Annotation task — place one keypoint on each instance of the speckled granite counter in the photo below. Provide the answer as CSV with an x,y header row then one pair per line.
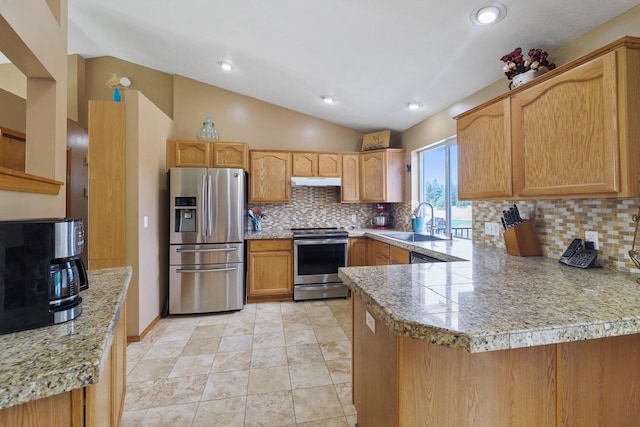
x,y
42,362
495,301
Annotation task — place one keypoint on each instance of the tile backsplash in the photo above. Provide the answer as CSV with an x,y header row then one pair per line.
x,y
558,222
315,207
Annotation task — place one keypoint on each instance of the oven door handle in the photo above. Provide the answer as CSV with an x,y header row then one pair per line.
x,y
207,250
319,242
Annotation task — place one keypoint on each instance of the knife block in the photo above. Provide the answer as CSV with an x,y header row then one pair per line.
x,y
521,240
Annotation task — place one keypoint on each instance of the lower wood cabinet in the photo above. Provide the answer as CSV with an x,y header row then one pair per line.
x,y
385,254
98,405
357,255
270,270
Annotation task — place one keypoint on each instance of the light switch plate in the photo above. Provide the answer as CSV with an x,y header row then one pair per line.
x,y
145,221
371,322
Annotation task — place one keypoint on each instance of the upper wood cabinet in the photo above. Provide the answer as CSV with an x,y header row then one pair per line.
x,y
269,176
350,191
229,155
207,154
316,164
382,176
574,133
484,153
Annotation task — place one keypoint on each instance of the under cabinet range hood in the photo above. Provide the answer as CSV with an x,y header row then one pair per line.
x,y
315,181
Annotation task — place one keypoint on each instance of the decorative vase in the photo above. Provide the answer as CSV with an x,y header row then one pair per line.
x,y
116,95
523,78
208,132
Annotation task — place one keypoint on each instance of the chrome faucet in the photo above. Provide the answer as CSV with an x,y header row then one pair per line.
x,y
416,213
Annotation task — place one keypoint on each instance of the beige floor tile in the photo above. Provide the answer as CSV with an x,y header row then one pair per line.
x,y
352,420
344,392
151,370
292,308
192,365
132,418
340,370
175,391
140,395
296,324
222,412
309,375
299,337
137,350
165,350
235,343
319,311
270,409
267,380
200,347
330,422
171,416
234,361
178,333
305,353
267,357
238,328
324,321
226,384
267,326
268,307
182,320
336,350
316,403
205,332
331,334
270,339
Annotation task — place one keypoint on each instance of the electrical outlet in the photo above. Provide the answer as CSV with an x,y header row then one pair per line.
x,y
492,228
592,236
354,218
371,322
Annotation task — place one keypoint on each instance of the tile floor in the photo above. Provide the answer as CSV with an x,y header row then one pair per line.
x,y
271,364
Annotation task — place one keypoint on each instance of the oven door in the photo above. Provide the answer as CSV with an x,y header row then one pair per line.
x,y
318,260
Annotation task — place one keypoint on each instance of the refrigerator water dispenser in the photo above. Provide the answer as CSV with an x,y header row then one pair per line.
x,y
185,214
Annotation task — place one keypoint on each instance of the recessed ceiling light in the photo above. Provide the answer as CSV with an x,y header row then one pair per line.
x,y
328,99
225,65
488,14
414,105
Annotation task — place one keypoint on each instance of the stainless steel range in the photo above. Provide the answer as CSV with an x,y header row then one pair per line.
x,y
317,255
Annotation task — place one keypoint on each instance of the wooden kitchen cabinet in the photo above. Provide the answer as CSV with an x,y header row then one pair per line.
x,y
381,253
398,255
382,176
573,133
350,191
270,270
484,153
565,133
229,155
207,154
269,176
357,255
316,164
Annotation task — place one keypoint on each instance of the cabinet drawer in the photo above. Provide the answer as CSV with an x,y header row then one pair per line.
x,y
270,245
398,255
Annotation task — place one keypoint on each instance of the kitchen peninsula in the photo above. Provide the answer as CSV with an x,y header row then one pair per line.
x,y
72,373
496,340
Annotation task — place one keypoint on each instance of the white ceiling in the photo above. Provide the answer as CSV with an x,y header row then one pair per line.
x,y
372,56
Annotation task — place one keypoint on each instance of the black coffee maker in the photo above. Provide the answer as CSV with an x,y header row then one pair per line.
x,y
41,272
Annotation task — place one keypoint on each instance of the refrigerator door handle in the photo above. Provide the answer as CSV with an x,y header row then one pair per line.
x,y
204,270
208,250
204,204
209,205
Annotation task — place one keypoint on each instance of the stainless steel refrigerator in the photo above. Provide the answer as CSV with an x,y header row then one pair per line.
x,y
206,240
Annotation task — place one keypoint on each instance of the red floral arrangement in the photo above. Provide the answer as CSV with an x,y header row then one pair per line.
x,y
516,64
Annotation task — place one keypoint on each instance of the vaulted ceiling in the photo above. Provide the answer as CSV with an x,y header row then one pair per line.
x,y
371,56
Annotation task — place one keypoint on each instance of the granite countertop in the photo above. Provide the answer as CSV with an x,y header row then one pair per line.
x,y
494,301
54,359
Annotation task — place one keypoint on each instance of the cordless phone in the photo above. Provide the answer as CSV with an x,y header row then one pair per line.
x,y
577,256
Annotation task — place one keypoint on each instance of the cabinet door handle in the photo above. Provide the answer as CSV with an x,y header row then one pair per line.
x,y
207,250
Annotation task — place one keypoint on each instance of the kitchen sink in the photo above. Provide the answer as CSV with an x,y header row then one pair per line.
x,y
412,237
